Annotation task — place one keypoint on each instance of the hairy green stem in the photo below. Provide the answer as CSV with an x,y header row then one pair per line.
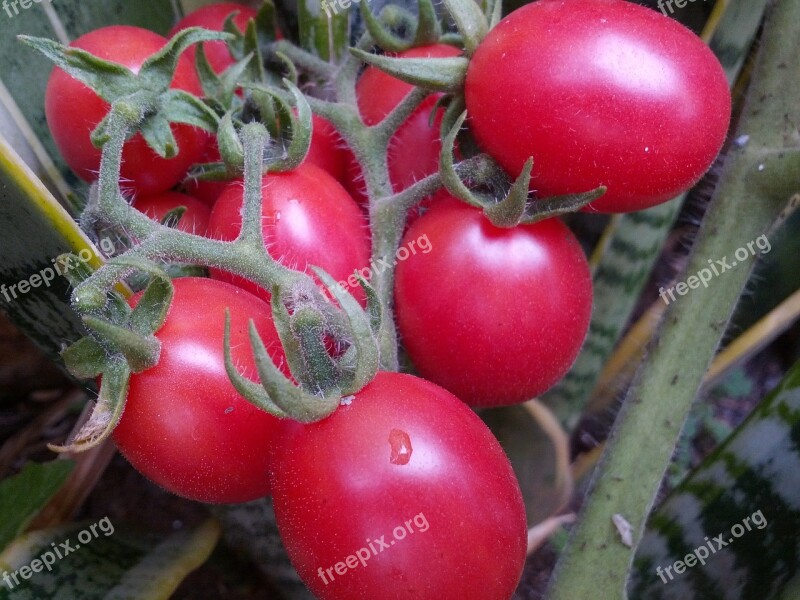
x,y
305,60
745,204
254,137
246,256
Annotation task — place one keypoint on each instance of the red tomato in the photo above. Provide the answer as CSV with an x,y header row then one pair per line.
x,y
185,427
212,16
414,149
496,316
194,220
402,494
308,219
73,111
599,92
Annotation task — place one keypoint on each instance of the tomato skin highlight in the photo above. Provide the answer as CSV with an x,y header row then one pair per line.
x,y
599,92
402,448
74,110
496,316
184,426
194,219
307,219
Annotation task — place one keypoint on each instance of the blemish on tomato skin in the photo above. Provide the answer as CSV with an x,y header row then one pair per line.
x,y
401,448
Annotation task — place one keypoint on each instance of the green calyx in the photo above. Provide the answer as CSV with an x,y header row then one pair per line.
x,y
146,95
514,206
426,26
120,342
328,358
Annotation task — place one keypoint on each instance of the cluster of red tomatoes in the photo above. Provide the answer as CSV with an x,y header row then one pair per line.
x,y
599,92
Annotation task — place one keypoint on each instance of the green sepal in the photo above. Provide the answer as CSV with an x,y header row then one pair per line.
x,y
452,182
178,106
85,359
236,43
255,70
157,72
301,127
108,79
429,30
320,374
209,80
290,71
266,23
509,211
322,33
494,12
555,206
374,306
452,38
229,144
382,34
470,21
116,309
220,90
140,351
442,102
216,171
296,403
158,135
436,74
283,325
107,411
88,299
151,311
456,104
173,217
265,104
362,327
249,390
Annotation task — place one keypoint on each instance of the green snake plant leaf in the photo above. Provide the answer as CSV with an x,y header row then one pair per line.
x,y
748,489
103,561
25,494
